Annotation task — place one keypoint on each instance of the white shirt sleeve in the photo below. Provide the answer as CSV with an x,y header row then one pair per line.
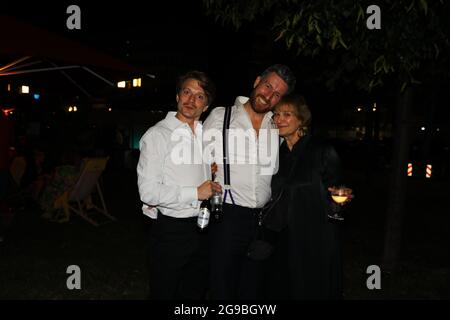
x,y
152,190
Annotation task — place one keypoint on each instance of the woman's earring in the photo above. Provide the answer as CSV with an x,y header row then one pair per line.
x,y
299,132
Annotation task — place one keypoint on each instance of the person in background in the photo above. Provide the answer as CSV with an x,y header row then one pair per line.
x,y
63,178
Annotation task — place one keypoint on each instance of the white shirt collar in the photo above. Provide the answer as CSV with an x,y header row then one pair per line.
x,y
240,101
173,122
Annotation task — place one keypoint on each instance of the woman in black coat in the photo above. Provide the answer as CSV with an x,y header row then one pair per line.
x,y
307,262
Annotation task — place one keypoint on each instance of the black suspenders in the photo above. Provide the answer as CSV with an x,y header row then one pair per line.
x,y
226,163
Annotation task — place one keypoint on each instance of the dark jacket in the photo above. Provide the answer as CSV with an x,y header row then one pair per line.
x,y
309,249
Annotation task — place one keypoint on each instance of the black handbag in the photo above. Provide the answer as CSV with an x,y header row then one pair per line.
x,y
262,247
270,223
260,250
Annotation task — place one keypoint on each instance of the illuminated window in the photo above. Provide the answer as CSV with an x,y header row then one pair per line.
x,y
137,82
121,84
25,89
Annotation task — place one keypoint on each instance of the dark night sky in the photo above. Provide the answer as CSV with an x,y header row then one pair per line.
x,y
141,31
168,38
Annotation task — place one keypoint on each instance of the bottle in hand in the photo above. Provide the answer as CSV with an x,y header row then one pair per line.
x,y
216,206
203,215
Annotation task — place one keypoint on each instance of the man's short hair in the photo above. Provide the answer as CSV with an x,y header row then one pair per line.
x,y
204,81
284,72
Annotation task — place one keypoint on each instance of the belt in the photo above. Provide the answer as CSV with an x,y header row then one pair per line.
x,y
253,210
186,219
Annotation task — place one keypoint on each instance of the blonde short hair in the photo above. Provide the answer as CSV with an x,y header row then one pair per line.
x,y
301,109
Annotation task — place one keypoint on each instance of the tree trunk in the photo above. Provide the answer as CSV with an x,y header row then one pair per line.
x,y
396,204
376,125
430,111
429,132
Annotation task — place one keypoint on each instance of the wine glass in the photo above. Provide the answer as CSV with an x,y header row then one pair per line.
x,y
340,196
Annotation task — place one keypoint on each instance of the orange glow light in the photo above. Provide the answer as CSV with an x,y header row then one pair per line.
x,y
7,112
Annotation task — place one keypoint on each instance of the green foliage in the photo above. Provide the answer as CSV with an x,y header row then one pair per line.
x,y
237,12
413,33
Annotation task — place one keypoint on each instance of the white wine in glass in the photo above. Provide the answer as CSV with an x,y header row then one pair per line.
x,y
340,196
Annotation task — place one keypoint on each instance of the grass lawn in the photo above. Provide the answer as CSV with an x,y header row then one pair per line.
x,y
36,253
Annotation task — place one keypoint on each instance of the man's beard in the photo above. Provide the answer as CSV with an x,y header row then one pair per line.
x,y
253,104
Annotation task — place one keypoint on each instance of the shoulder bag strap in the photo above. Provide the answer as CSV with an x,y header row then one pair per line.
x,y
226,163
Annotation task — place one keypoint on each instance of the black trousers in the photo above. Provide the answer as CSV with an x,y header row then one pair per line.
x,y
232,274
177,259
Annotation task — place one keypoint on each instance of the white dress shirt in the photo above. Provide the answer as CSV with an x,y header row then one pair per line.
x,y
250,173
170,168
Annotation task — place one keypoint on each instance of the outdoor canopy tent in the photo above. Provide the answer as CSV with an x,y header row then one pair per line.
x,y
30,47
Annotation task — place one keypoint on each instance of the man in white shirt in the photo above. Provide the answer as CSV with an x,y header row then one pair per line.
x,y
233,274
172,181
